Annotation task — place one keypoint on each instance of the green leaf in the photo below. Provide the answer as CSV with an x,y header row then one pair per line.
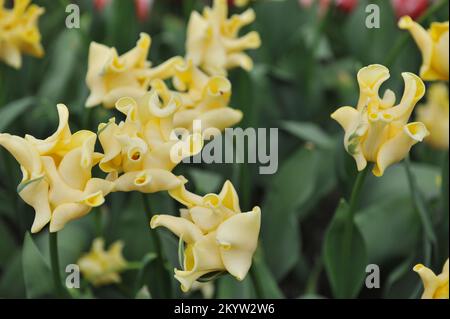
x,y
36,271
382,222
267,282
11,281
291,187
309,132
345,255
229,288
12,110
7,244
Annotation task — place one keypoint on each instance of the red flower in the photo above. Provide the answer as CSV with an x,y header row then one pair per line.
x,y
346,6
412,8
143,8
100,4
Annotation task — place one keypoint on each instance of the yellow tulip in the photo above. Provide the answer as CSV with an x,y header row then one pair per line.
x,y
433,43
57,180
19,32
111,76
212,39
218,236
435,115
376,130
205,98
435,287
103,267
140,147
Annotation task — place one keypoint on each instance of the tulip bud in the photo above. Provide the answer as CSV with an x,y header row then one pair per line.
x,y
412,8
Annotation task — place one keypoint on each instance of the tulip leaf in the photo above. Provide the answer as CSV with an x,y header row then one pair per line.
x,y
309,132
36,270
266,282
12,110
344,254
8,244
11,281
291,187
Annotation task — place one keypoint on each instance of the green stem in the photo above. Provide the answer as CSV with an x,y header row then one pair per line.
x,y
159,251
54,258
354,197
256,285
419,204
403,40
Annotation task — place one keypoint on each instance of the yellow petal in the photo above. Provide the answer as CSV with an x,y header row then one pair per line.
x,y
65,213
238,239
181,227
62,134
147,181
229,197
183,196
35,194
24,153
395,149
429,280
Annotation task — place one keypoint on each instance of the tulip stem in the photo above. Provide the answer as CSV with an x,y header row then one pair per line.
x,y
54,259
354,197
165,282
418,202
256,285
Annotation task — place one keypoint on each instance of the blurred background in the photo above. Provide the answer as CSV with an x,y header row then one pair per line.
x,y
305,69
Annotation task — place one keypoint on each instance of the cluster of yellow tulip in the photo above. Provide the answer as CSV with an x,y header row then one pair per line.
x,y
137,151
19,32
57,180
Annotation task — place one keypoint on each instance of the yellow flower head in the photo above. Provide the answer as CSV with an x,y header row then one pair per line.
x,y
205,98
140,147
435,115
19,32
103,267
435,287
376,130
111,76
218,236
433,43
212,39
57,180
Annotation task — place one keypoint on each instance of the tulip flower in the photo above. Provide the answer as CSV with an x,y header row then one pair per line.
x,y
57,180
103,267
111,76
435,287
376,130
435,115
19,32
138,150
205,99
218,236
212,39
433,44
412,8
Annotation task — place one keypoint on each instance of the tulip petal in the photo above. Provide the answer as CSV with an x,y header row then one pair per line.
x,y
65,213
24,153
35,194
238,239
395,149
181,227
147,181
